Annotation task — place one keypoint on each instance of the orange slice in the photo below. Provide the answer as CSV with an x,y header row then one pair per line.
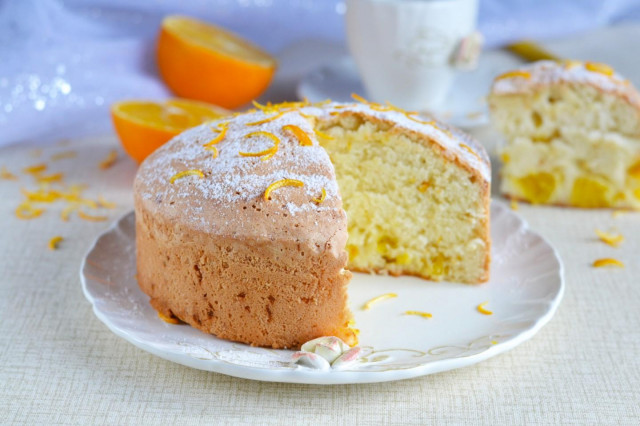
x,y
144,126
200,61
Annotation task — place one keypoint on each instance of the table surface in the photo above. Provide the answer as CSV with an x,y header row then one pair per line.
x,y
60,364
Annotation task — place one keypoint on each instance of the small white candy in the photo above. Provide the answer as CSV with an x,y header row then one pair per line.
x,y
347,359
330,341
310,360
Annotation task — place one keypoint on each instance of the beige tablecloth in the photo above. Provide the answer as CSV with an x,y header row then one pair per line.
x,y
60,364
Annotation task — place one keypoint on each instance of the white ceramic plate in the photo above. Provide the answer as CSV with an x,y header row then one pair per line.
x,y
524,292
465,105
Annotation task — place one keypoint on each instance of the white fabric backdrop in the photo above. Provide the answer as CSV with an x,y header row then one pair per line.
x,y
64,62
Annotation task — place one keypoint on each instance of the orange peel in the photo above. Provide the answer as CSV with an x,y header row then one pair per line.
x,y
300,134
266,120
64,154
378,299
600,68
484,311
279,184
185,173
35,169
607,261
419,313
54,242
514,74
267,153
322,197
170,320
6,174
27,211
109,160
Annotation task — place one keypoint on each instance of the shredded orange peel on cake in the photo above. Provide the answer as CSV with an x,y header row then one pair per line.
x,y
322,197
302,136
279,184
267,153
186,173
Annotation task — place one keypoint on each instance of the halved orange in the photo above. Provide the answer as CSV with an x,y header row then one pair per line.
x,y
200,61
144,126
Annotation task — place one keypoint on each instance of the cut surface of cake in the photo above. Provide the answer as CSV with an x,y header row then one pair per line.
x,y
572,133
246,227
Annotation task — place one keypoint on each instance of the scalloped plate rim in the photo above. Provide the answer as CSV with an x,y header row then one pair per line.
x,y
309,376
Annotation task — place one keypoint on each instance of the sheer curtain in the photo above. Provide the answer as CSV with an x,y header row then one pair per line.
x,y
63,62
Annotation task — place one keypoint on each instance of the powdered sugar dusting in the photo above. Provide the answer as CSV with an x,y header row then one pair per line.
x,y
551,72
231,178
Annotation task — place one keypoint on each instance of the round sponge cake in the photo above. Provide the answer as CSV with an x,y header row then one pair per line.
x,y
242,232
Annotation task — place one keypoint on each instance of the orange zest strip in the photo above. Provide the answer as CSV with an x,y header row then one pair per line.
x,y
105,204
27,211
302,136
611,239
514,74
279,184
322,197
214,150
53,242
35,169
170,320
359,98
484,311
599,67
514,204
109,160
66,212
377,299
223,131
266,120
41,196
267,153
56,177
7,175
186,173
607,261
470,151
307,116
90,218
323,135
63,155
419,313
410,115
570,63
381,108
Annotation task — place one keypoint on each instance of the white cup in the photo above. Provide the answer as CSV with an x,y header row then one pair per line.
x,y
404,48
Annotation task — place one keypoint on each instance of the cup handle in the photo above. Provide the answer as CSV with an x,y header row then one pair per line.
x,y
466,54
